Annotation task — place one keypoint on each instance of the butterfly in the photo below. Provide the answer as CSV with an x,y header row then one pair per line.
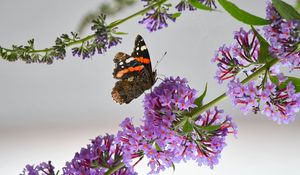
x,y
134,73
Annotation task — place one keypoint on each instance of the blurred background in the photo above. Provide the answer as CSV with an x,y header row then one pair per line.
x,y
48,112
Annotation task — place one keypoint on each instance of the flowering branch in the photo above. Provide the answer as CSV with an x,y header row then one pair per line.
x,y
100,40
104,36
222,97
176,125
107,9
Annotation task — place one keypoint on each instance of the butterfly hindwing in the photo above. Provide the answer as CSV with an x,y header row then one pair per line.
x,y
120,57
127,90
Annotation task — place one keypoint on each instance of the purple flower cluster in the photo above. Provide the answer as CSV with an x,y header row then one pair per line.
x,y
97,158
159,15
41,169
157,18
163,141
163,138
206,146
241,55
284,38
278,104
104,39
209,3
184,4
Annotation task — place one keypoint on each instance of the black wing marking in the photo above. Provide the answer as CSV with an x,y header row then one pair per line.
x,y
122,62
140,50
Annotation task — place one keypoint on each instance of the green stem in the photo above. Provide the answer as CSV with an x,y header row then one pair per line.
x,y
110,26
114,169
222,97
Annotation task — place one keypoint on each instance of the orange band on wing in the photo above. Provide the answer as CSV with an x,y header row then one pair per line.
x,y
129,69
143,60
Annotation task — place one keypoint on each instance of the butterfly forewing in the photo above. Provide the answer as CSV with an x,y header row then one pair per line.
x,y
140,52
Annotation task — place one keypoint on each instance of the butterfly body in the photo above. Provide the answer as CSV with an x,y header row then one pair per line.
x,y
134,73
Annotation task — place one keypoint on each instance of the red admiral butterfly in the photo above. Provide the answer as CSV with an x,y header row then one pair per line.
x,y
134,73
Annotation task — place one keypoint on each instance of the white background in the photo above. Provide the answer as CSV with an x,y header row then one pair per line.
x,y
48,112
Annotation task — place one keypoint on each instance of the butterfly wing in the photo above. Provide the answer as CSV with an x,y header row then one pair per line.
x,y
141,54
127,90
134,73
120,57
126,66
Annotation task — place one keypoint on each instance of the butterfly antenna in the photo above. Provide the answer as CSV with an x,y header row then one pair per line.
x,y
157,63
160,79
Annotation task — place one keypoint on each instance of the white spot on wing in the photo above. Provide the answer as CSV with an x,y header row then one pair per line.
x,y
121,63
129,60
130,78
138,48
143,48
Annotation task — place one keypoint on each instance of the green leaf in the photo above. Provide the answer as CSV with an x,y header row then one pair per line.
x,y
168,5
12,57
297,49
176,15
294,80
242,15
199,5
157,147
297,6
31,43
209,128
120,33
173,166
285,10
187,127
114,23
274,79
199,100
264,55
95,163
